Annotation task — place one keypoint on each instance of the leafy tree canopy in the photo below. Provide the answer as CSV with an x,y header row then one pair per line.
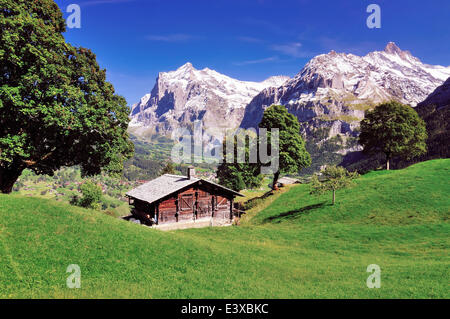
x,y
56,107
293,155
239,175
91,196
333,178
395,130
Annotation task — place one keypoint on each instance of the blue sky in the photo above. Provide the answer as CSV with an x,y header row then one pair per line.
x,y
247,39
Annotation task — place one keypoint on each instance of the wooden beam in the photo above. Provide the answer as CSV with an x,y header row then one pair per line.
x,y
177,209
157,213
231,208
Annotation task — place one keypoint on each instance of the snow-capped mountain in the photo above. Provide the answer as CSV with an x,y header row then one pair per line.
x,y
187,94
334,89
331,92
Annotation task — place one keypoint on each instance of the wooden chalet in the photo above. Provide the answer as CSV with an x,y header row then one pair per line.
x,y
173,198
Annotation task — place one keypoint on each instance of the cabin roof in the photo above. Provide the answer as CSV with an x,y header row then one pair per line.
x,y
166,185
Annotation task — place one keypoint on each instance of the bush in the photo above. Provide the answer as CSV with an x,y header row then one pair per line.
x,y
91,196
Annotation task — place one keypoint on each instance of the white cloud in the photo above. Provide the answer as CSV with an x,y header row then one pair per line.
x,y
265,60
291,49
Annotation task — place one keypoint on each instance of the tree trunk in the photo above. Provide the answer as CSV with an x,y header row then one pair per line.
x,y
388,159
8,178
334,196
387,164
276,176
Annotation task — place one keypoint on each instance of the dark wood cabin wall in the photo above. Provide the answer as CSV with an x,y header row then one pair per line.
x,y
167,211
187,199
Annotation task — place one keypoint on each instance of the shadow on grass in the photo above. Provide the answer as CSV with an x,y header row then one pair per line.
x,y
254,201
294,213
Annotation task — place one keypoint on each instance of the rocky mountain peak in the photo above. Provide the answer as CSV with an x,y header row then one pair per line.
x,y
333,90
332,53
186,66
392,48
182,96
183,72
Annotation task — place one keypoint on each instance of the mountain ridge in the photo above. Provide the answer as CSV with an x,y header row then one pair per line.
x,y
182,96
329,94
335,84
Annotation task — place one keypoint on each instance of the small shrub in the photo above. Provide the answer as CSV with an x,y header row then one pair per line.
x,y
91,196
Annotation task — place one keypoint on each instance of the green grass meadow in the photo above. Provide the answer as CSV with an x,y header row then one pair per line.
x,y
292,245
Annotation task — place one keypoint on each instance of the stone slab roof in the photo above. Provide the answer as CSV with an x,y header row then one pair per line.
x,y
166,185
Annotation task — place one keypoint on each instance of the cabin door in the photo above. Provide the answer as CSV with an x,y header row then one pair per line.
x,y
204,207
186,207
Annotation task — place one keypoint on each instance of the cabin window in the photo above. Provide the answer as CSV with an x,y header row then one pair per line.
x,y
187,202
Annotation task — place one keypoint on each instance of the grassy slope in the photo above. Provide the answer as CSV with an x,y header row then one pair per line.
x,y
298,246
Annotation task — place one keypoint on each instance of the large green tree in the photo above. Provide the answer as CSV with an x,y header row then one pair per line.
x,y
293,155
56,107
239,174
395,130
